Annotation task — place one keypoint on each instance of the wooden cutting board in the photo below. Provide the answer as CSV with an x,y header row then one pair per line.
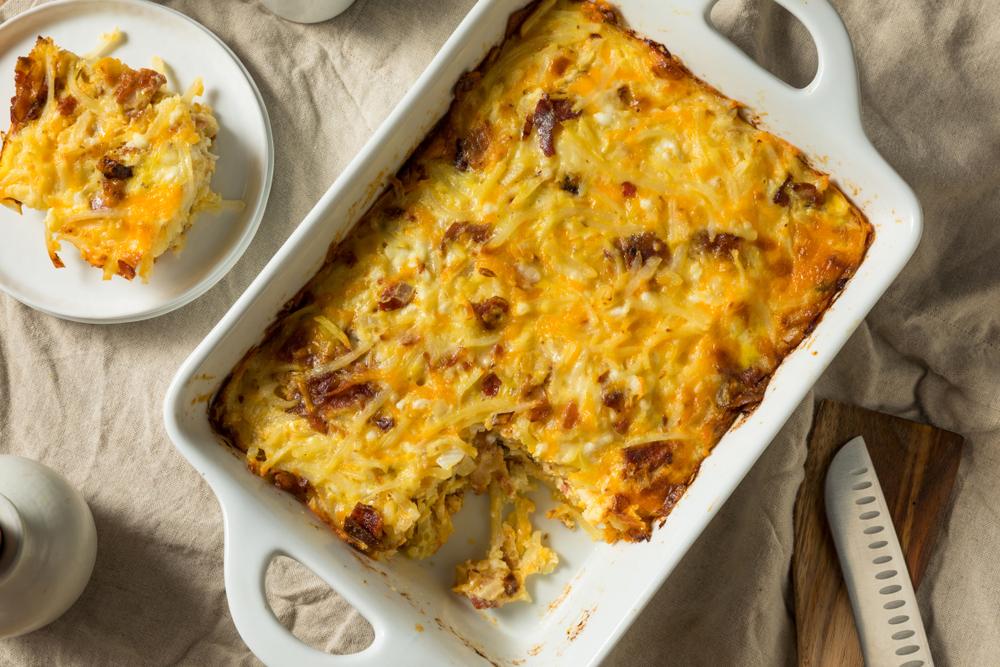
x,y
916,465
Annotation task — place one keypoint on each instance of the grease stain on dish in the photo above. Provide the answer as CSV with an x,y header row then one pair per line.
x,y
574,630
202,398
468,644
561,598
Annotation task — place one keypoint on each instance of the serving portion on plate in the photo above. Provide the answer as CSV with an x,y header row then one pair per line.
x,y
588,270
120,164
122,156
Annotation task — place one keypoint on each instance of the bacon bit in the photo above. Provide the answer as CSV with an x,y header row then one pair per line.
x,y
626,97
364,525
529,124
393,212
30,92
492,312
510,584
396,296
563,109
781,196
571,184
331,390
344,255
480,603
809,193
559,65
491,385
136,88
67,105
453,232
126,270
456,356
112,192
638,534
638,248
602,378
628,190
646,459
478,233
113,169
724,243
571,416
540,412
461,161
745,389
670,498
467,81
545,121
549,113
384,422
470,152
291,483
487,272
614,399
665,66
295,341
720,245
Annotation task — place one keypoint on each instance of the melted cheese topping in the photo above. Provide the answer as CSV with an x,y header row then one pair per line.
x,y
594,260
119,164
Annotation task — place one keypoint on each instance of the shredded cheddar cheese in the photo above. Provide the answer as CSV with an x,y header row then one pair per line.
x,y
584,275
119,164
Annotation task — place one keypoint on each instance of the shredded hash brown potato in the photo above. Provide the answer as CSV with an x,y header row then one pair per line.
x,y
120,164
584,274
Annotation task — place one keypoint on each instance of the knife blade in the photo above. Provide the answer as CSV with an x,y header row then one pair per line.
x,y
878,583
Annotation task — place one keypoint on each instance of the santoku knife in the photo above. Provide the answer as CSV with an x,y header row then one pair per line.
x,y
885,608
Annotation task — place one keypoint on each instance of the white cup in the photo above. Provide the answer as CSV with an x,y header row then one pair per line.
x,y
307,11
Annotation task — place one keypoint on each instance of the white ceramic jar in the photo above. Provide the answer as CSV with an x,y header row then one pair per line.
x,y
48,544
307,11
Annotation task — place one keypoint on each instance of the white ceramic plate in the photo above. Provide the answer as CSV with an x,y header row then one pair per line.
x,y
584,606
243,172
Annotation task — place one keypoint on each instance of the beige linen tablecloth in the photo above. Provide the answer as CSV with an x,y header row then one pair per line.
x,y
86,400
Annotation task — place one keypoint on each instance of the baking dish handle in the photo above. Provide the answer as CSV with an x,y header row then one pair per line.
x,y
248,553
833,93
834,89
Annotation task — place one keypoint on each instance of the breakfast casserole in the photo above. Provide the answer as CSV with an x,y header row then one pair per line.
x,y
119,163
585,273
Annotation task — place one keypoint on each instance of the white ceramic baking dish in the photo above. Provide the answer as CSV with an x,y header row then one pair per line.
x,y
583,608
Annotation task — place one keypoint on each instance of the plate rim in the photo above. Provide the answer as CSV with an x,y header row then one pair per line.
x,y
237,251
